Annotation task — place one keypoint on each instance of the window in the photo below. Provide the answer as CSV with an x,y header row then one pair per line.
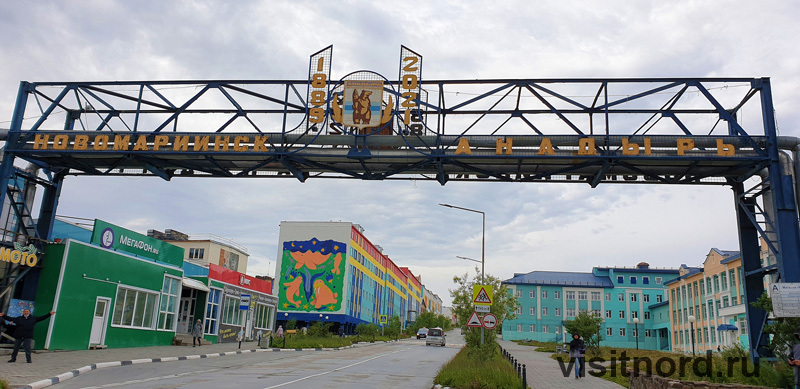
x,y
608,314
544,294
621,332
230,311
733,300
196,253
621,314
533,311
262,318
134,308
633,280
544,312
212,311
635,332
519,327
519,310
519,294
609,331
634,297
570,295
558,311
532,294
724,280
620,279
646,298
582,295
168,310
659,298
647,315
545,328
621,297
533,328
558,330
647,333
634,314
596,313
595,296
608,296
557,295
646,280
725,301
658,280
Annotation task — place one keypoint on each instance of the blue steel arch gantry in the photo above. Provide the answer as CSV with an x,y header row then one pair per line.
x,y
692,131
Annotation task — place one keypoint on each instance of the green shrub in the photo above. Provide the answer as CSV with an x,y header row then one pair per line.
x,y
478,368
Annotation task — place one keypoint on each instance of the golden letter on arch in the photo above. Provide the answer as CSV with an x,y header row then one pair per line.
x,y
463,147
500,145
629,148
586,147
684,144
546,147
724,149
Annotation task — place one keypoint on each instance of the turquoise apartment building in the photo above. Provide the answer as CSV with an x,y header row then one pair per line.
x,y
631,302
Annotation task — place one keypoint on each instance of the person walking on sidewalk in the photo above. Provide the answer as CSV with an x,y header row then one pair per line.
x,y
576,350
794,359
197,333
24,332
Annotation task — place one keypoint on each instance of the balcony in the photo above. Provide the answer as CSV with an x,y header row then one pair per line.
x,y
731,310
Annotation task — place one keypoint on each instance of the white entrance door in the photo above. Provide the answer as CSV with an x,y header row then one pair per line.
x,y
185,315
99,321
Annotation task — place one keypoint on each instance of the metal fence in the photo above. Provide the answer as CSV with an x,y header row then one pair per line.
x,y
518,367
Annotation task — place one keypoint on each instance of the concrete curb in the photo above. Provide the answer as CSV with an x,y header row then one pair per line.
x,y
95,366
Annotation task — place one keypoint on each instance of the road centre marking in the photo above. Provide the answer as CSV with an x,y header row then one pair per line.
x,y
149,379
337,369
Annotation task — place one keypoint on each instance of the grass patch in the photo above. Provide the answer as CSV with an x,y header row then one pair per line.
x,y
543,347
472,368
3,384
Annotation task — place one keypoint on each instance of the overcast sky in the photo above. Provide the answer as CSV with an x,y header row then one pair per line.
x,y
528,226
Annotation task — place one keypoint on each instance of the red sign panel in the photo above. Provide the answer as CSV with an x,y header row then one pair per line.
x,y
219,273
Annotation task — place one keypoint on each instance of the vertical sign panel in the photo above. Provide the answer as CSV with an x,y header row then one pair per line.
x,y
410,92
319,72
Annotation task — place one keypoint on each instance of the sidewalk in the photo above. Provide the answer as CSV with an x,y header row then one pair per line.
x,y
48,364
545,373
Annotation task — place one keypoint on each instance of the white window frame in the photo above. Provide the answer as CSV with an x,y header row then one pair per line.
x,y
558,311
622,332
212,312
532,294
608,296
634,297
154,313
161,324
544,311
609,331
519,327
645,297
225,315
647,315
595,296
621,314
647,334
533,328
608,314
658,280
570,295
263,316
634,314
533,311
583,295
545,328
659,298
556,294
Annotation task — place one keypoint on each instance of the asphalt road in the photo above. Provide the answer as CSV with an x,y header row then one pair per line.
x,y
405,364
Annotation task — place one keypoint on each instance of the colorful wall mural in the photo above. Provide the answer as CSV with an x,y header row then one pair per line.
x,y
312,275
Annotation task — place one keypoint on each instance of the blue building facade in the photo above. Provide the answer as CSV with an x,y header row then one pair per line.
x,y
629,300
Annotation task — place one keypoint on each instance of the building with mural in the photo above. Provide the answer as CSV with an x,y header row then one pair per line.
x,y
710,300
330,271
628,299
205,249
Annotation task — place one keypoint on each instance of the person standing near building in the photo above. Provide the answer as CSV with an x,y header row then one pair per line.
x,y
576,350
794,358
197,333
24,331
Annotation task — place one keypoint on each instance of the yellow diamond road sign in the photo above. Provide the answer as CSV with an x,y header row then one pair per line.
x,y
482,294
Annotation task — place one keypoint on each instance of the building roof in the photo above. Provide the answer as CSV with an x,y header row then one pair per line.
x,y
656,305
560,278
692,271
730,256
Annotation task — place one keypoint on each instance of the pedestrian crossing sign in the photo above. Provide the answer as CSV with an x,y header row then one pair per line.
x,y
482,294
384,319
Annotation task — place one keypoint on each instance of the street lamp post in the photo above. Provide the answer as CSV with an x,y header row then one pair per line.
x,y
483,244
636,331
691,326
